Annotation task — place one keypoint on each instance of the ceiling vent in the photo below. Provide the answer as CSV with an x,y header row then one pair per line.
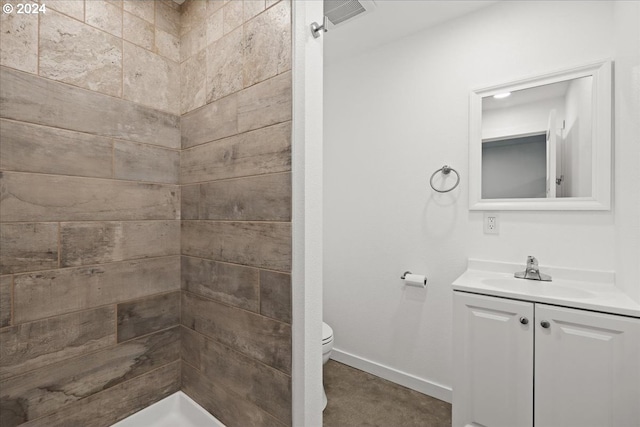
x,y
340,11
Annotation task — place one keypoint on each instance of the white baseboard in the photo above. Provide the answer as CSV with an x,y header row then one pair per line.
x,y
427,387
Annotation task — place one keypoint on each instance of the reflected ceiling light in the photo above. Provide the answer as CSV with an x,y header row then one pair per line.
x,y
501,95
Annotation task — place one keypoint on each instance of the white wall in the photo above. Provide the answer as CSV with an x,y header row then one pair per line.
x,y
398,113
576,139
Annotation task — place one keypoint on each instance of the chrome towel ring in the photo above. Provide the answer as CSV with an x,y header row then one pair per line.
x,y
445,170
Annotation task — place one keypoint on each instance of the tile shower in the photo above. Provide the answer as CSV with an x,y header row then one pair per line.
x,y
145,210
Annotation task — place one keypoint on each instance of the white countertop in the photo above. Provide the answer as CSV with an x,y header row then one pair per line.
x,y
589,290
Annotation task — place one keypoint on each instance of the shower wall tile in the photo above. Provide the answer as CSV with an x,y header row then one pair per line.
x,y
229,408
167,18
41,149
192,344
19,41
225,64
258,198
190,200
54,292
193,87
144,9
193,42
118,402
258,337
215,5
275,295
265,103
253,8
213,121
167,45
73,8
193,13
231,284
104,15
150,79
263,151
75,53
137,31
139,162
267,42
83,243
32,99
258,244
23,398
265,387
233,15
6,291
33,345
31,197
147,315
272,2
28,247
215,29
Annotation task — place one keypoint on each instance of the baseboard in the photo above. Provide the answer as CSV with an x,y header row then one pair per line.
x,y
429,388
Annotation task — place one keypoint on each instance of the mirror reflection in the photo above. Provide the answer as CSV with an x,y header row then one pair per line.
x,y
537,142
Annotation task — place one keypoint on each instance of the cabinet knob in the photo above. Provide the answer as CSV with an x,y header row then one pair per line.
x,y
524,320
545,324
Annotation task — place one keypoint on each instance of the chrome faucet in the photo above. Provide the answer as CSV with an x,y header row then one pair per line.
x,y
532,272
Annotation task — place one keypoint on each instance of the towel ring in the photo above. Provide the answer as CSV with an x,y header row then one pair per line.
x,y
445,170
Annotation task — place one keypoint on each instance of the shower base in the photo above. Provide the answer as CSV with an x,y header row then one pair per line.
x,y
172,411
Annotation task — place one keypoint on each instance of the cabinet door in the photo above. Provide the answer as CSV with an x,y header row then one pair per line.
x,y
492,361
587,369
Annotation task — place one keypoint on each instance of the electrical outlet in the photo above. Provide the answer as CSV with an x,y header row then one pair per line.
x,y
491,223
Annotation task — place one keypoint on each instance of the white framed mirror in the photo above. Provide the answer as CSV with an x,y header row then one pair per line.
x,y
542,143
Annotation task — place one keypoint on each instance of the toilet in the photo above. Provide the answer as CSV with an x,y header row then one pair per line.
x,y
327,346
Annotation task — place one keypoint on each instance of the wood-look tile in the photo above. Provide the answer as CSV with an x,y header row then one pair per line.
x,y
28,247
31,197
267,43
266,150
151,79
139,162
265,103
232,284
256,336
55,292
213,121
225,405
76,53
265,387
6,290
191,345
193,82
258,198
258,244
83,243
147,315
36,100
275,295
33,148
19,41
33,345
190,201
49,389
118,402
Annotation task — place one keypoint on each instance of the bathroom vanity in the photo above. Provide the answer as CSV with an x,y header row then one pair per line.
x,y
545,354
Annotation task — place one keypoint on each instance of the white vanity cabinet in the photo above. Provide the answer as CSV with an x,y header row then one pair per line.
x,y
519,363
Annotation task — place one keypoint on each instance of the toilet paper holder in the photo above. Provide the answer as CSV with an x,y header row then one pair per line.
x,y
404,276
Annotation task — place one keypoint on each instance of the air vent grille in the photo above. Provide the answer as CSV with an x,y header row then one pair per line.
x,y
341,10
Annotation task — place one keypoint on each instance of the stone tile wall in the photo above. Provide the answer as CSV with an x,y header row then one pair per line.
x,y
236,209
89,211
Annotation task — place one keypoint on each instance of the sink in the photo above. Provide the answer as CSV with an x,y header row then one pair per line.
x,y
557,290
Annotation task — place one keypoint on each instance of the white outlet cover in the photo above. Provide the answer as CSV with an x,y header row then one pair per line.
x,y
491,223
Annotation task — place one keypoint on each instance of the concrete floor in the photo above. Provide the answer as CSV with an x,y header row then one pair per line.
x,y
358,399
